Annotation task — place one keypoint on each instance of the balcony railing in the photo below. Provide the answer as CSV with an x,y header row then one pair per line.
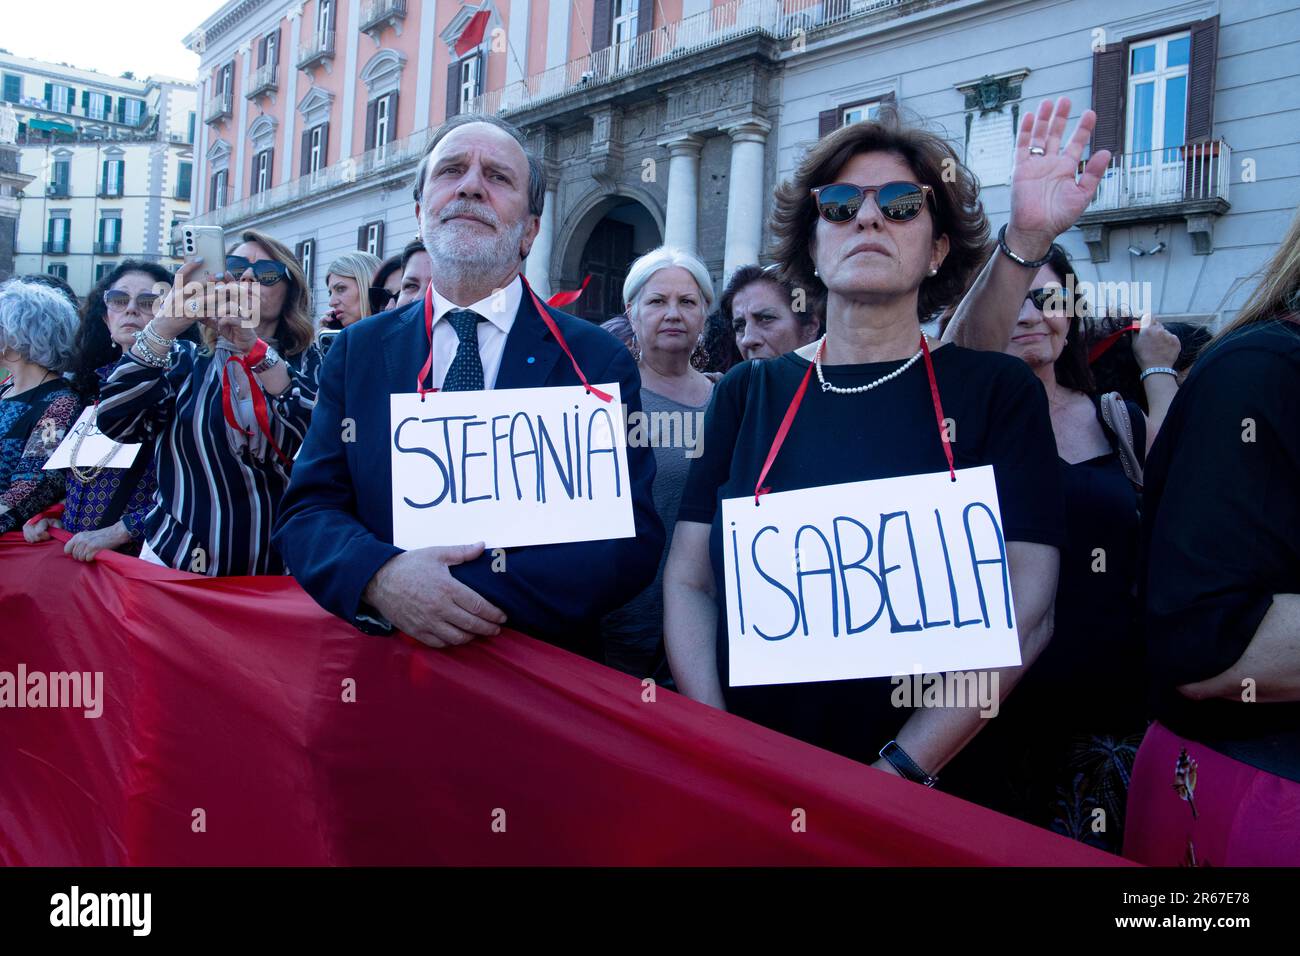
x,y
56,247
109,248
780,19
263,81
110,190
218,107
1192,173
316,49
58,190
376,13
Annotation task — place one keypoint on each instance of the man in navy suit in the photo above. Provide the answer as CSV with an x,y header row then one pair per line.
x,y
479,201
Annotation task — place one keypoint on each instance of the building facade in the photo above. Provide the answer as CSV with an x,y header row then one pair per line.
x,y
111,163
673,121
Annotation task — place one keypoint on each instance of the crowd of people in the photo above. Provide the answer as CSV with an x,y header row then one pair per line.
x,y
1150,503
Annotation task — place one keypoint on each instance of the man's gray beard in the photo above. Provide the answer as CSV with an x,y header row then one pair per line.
x,y
459,259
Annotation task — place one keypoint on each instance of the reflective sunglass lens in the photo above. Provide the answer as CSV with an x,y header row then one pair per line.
x,y
839,203
900,201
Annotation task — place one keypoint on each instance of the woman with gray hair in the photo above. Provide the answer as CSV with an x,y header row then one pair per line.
x,y
37,407
668,295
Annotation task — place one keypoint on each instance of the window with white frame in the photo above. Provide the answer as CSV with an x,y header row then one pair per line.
x,y
114,171
134,112
316,150
110,235
1157,97
262,171
374,238
306,255
625,24
219,180
383,122
469,68
323,21
858,112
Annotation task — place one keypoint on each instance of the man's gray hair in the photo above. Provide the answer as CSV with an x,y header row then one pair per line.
x,y
536,171
38,323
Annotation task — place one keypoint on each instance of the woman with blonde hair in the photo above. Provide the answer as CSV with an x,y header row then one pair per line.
x,y
1216,781
668,294
224,419
348,284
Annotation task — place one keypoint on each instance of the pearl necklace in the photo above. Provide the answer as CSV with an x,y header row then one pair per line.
x,y
828,387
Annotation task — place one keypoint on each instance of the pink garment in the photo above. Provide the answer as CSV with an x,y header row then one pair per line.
x,y
1189,805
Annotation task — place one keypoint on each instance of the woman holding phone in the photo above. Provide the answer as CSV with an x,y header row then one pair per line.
x,y
224,418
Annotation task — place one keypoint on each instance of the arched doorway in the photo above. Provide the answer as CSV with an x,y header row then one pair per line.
x,y
617,230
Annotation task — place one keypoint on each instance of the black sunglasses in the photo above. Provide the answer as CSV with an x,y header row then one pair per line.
x,y
899,202
379,299
117,301
265,271
1055,297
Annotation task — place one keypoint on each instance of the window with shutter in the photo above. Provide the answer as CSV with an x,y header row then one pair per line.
x,y
453,90
13,88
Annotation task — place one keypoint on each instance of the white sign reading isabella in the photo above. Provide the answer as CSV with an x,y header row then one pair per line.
x,y
509,467
868,579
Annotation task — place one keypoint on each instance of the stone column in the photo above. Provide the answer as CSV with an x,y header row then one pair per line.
x,y
537,267
745,195
683,191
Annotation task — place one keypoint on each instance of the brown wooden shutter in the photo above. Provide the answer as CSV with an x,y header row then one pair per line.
x,y
279,38
372,111
270,167
361,238
1200,80
645,16
827,122
453,89
324,144
379,239
212,194
305,166
1109,76
602,24
252,182
392,116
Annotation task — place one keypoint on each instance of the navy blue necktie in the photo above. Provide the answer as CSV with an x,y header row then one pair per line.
x,y
466,371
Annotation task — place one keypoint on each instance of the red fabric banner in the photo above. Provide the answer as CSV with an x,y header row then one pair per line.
x,y
227,736
472,35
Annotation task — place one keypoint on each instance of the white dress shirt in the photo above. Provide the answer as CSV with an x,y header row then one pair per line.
x,y
498,309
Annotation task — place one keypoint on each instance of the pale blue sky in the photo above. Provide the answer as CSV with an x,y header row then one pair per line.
x,y
110,36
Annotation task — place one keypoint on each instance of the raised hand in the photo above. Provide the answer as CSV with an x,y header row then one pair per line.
x,y
1046,198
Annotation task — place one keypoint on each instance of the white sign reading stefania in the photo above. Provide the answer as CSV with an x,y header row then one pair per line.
x,y
868,579
509,467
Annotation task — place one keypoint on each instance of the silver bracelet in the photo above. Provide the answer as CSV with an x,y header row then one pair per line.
x,y
156,338
1161,369
145,354
269,361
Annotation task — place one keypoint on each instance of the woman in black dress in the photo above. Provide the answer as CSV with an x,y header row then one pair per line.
x,y
890,235
1060,751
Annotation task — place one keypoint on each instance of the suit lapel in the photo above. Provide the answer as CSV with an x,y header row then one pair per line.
x,y
406,347
531,351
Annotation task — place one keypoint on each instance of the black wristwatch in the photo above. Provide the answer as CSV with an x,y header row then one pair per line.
x,y
908,768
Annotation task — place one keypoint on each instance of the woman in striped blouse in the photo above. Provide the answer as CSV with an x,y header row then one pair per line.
x,y
225,418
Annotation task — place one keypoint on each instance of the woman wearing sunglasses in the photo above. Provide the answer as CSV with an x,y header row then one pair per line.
x,y
1059,750
882,220
348,285
226,418
105,508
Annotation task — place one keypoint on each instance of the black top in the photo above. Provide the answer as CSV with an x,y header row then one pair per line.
x,y
1089,677
1000,415
1221,536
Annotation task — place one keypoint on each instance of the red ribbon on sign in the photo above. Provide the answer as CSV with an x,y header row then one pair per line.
x,y
260,412
797,400
546,317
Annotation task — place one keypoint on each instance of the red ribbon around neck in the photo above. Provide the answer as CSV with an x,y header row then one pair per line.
x,y
546,317
260,412
797,400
